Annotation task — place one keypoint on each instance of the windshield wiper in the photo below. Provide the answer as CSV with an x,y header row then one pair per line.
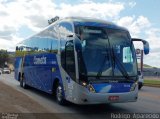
x,y
120,65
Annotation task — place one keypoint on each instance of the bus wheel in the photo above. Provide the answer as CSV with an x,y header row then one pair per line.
x,y
139,87
23,83
59,95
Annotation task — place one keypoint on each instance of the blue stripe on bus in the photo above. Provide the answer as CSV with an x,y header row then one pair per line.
x,y
112,87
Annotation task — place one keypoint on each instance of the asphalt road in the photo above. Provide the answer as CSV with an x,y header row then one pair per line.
x,y
148,102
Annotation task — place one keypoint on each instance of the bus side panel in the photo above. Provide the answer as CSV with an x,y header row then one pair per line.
x,y
41,70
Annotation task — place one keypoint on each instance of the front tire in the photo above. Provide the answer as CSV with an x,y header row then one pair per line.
x,y
23,82
59,95
139,87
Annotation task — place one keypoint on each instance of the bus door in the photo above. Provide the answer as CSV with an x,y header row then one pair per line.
x,y
70,59
70,67
67,55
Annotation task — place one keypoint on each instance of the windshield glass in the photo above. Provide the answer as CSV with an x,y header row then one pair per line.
x,y
123,51
106,51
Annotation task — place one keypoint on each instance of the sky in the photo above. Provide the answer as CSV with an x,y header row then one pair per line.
x,y
20,19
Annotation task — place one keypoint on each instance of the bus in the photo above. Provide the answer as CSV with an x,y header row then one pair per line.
x,y
80,60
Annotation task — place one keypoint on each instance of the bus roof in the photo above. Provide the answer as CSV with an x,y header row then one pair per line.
x,y
84,21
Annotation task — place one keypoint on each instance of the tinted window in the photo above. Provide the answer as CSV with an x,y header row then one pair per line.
x,y
70,60
45,41
64,29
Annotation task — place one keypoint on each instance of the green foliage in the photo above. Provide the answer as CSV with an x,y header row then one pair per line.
x,y
4,57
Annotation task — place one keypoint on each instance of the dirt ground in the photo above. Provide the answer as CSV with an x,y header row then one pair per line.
x,y
12,101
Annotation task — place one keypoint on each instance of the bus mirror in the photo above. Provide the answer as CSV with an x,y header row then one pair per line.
x,y
145,45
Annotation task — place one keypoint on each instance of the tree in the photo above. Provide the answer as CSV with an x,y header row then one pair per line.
x,y
4,57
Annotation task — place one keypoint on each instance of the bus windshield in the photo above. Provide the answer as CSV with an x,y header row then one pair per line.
x,y
106,52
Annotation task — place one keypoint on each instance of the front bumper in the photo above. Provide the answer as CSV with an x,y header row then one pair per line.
x,y
85,97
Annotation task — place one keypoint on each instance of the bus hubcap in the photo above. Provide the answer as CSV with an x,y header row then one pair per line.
x,y
59,93
23,83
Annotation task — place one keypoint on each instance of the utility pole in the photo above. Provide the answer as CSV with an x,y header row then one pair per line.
x,y
141,64
139,54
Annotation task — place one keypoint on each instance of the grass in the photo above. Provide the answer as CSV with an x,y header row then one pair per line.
x,y
152,81
155,83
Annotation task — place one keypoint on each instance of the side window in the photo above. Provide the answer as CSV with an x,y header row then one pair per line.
x,y
53,40
67,49
45,41
64,29
70,60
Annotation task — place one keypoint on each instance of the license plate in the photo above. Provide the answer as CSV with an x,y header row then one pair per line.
x,y
113,98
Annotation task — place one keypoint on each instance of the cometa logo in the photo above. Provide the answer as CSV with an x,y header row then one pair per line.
x,y
41,60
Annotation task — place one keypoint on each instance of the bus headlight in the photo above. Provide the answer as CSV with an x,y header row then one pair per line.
x,y
134,85
83,83
88,86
